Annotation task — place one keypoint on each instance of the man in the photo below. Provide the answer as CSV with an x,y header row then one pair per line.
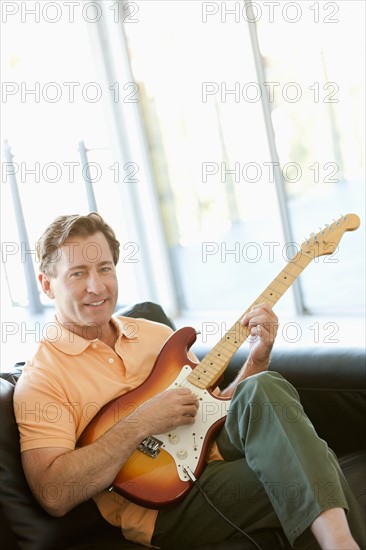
x,y
89,357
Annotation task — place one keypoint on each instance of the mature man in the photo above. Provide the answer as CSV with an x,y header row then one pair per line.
x,y
89,357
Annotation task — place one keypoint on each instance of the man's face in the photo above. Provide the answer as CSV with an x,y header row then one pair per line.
x,y
85,286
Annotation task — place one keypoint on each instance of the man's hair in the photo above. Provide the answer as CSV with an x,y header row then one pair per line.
x,y
62,228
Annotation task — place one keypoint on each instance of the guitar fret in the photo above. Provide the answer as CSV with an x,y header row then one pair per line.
x,y
272,295
197,376
283,282
218,351
212,360
297,266
199,380
239,332
206,369
214,368
231,347
211,370
222,351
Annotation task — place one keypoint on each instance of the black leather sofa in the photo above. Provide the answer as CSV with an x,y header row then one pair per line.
x,y
332,387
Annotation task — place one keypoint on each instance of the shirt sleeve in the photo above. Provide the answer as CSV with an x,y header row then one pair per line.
x,y
44,416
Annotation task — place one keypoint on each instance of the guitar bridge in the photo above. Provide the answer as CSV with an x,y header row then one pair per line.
x,y
150,446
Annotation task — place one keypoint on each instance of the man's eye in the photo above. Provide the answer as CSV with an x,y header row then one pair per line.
x,y
77,274
105,269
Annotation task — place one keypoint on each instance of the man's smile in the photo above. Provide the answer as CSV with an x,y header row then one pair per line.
x,y
96,304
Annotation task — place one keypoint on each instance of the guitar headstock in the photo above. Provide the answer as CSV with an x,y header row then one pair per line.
x,y
326,240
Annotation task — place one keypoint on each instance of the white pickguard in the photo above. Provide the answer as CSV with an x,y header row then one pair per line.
x,y
185,443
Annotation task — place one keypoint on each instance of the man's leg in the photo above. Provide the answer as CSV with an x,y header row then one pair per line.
x,y
300,474
331,529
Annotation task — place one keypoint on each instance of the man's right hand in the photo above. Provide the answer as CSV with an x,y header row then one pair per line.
x,y
167,410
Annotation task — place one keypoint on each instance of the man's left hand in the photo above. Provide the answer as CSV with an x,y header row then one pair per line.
x,y
263,325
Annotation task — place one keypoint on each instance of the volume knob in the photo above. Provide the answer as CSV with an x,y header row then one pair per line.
x,y
182,454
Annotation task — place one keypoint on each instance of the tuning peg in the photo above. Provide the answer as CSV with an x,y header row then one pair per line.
x,y
313,236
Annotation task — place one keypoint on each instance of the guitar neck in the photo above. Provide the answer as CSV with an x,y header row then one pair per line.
x,y
211,368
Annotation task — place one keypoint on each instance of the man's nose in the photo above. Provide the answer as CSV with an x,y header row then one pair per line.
x,y
95,283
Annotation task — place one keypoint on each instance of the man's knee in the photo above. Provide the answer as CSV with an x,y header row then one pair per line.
x,y
262,381
267,385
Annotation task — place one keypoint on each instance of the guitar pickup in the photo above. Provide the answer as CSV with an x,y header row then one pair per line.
x,y
150,446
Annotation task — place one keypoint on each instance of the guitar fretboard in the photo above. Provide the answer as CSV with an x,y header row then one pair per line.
x,y
211,368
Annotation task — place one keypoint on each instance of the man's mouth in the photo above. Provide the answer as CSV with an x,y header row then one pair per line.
x,y
95,304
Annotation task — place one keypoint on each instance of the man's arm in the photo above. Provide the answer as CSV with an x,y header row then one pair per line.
x,y
263,324
60,479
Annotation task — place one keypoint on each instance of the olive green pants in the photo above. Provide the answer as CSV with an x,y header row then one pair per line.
x,y
277,473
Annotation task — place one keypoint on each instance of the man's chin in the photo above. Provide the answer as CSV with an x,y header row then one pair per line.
x,y
99,316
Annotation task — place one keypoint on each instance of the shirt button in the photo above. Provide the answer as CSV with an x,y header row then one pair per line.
x,y
111,360
94,346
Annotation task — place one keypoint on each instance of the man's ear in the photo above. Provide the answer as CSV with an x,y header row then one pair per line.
x,y
46,285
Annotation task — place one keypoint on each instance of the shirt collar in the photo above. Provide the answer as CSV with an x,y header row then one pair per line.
x,y
68,342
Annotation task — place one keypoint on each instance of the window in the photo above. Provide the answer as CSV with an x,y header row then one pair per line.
x,y
318,112
216,133
53,99
215,176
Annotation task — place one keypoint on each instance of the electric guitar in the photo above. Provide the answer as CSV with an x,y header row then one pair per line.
x,y
160,472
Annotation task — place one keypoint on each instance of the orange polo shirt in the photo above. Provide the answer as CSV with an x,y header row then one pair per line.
x,y
69,380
